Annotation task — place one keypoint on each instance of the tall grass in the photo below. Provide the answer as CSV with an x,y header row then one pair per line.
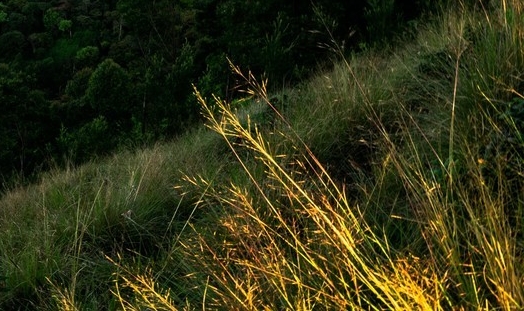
x,y
393,181
55,236
293,239
311,247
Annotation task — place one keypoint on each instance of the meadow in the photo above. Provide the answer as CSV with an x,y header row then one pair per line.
x,y
392,180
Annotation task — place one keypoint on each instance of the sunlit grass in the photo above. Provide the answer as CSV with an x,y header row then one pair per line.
x,y
310,247
393,181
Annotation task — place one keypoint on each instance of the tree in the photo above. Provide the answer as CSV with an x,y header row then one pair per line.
x,y
12,43
24,121
109,93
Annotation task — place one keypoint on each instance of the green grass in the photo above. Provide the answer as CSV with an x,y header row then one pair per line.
x,y
392,181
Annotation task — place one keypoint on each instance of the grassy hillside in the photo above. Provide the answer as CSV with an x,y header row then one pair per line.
x,y
392,181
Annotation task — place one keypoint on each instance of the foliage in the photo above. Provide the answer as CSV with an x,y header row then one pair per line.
x,y
108,92
380,18
3,16
87,56
163,47
52,19
12,44
77,86
88,141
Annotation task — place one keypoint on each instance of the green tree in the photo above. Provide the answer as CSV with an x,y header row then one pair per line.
x,y
52,19
109,93
65,25
12,43
168,106
89,141
87,56
24,122
3,14
73,109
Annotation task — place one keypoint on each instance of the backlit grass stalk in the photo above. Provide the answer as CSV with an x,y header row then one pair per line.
x,y
146,292
336,259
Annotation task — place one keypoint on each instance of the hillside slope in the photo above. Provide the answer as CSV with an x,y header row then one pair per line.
x,y
392,181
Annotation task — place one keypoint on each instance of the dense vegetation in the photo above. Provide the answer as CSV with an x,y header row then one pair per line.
x,y
390,180
79,78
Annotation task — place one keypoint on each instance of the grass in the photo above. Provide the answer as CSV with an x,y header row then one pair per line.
x,y
393,181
